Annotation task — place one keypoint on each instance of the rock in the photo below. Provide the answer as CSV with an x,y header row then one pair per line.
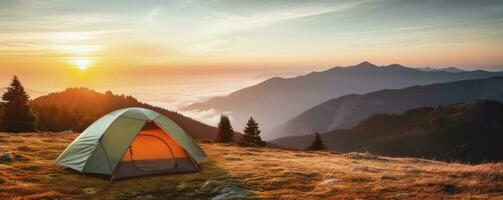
x,y
7,157
232,192
328,182
89,191
210,183
227,190
213,186
405,195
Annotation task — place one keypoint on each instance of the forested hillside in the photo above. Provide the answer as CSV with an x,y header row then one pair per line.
x,y
469,132
76,108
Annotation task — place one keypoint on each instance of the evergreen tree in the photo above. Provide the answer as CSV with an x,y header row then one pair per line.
x,y
225,131
317,144
16,112
251,136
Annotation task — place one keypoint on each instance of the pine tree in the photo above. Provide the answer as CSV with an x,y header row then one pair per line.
x,y
317,144
251,136
225,131
17,116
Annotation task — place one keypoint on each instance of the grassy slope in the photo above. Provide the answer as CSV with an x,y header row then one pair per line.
x,y
255,173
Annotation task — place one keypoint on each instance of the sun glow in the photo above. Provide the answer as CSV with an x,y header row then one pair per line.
x,y
82,63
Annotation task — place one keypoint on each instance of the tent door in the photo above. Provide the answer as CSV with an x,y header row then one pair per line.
x,y
153,151
150,153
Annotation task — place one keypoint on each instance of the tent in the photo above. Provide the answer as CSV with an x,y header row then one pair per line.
x,y
132,142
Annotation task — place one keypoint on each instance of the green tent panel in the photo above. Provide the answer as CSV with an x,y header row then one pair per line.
x,y
132,142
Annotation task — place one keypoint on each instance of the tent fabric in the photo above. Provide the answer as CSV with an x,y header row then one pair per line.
x,y
154,141
103,145
153,152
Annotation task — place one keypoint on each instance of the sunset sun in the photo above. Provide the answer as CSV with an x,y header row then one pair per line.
x,y
82,63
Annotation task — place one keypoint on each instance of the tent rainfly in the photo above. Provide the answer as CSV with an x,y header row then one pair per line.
x,y
132,142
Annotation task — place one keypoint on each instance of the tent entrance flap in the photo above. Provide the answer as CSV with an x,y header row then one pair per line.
x,y
151,153
154,151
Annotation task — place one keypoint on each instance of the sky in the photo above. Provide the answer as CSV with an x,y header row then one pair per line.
x,y
54,44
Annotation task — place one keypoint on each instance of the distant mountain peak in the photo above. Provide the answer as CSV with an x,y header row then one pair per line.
x,y
365,64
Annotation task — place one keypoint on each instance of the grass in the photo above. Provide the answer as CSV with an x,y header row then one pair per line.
x,y
241,173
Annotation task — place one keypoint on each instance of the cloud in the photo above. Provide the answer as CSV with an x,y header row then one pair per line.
x,y
175,91
47,43
76,36
225,23
462,24
226,29
153,15
211,116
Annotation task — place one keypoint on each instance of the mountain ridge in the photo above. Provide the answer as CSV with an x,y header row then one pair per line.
x,y
347,111
276,100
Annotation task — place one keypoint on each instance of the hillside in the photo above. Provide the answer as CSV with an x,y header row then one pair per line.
x,y
76,108
347,111
276,100
470,132
246,173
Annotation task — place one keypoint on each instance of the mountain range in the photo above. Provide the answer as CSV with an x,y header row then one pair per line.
x,y
347,111
276,100
467,132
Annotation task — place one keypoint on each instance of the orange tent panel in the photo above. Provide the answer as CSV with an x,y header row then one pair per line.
x,y
154,145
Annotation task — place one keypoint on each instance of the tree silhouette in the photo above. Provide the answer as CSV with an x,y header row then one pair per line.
x,y
16,115
317,144
251,136
225,131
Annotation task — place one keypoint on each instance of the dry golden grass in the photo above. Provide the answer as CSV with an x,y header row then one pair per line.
x,y
236,172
